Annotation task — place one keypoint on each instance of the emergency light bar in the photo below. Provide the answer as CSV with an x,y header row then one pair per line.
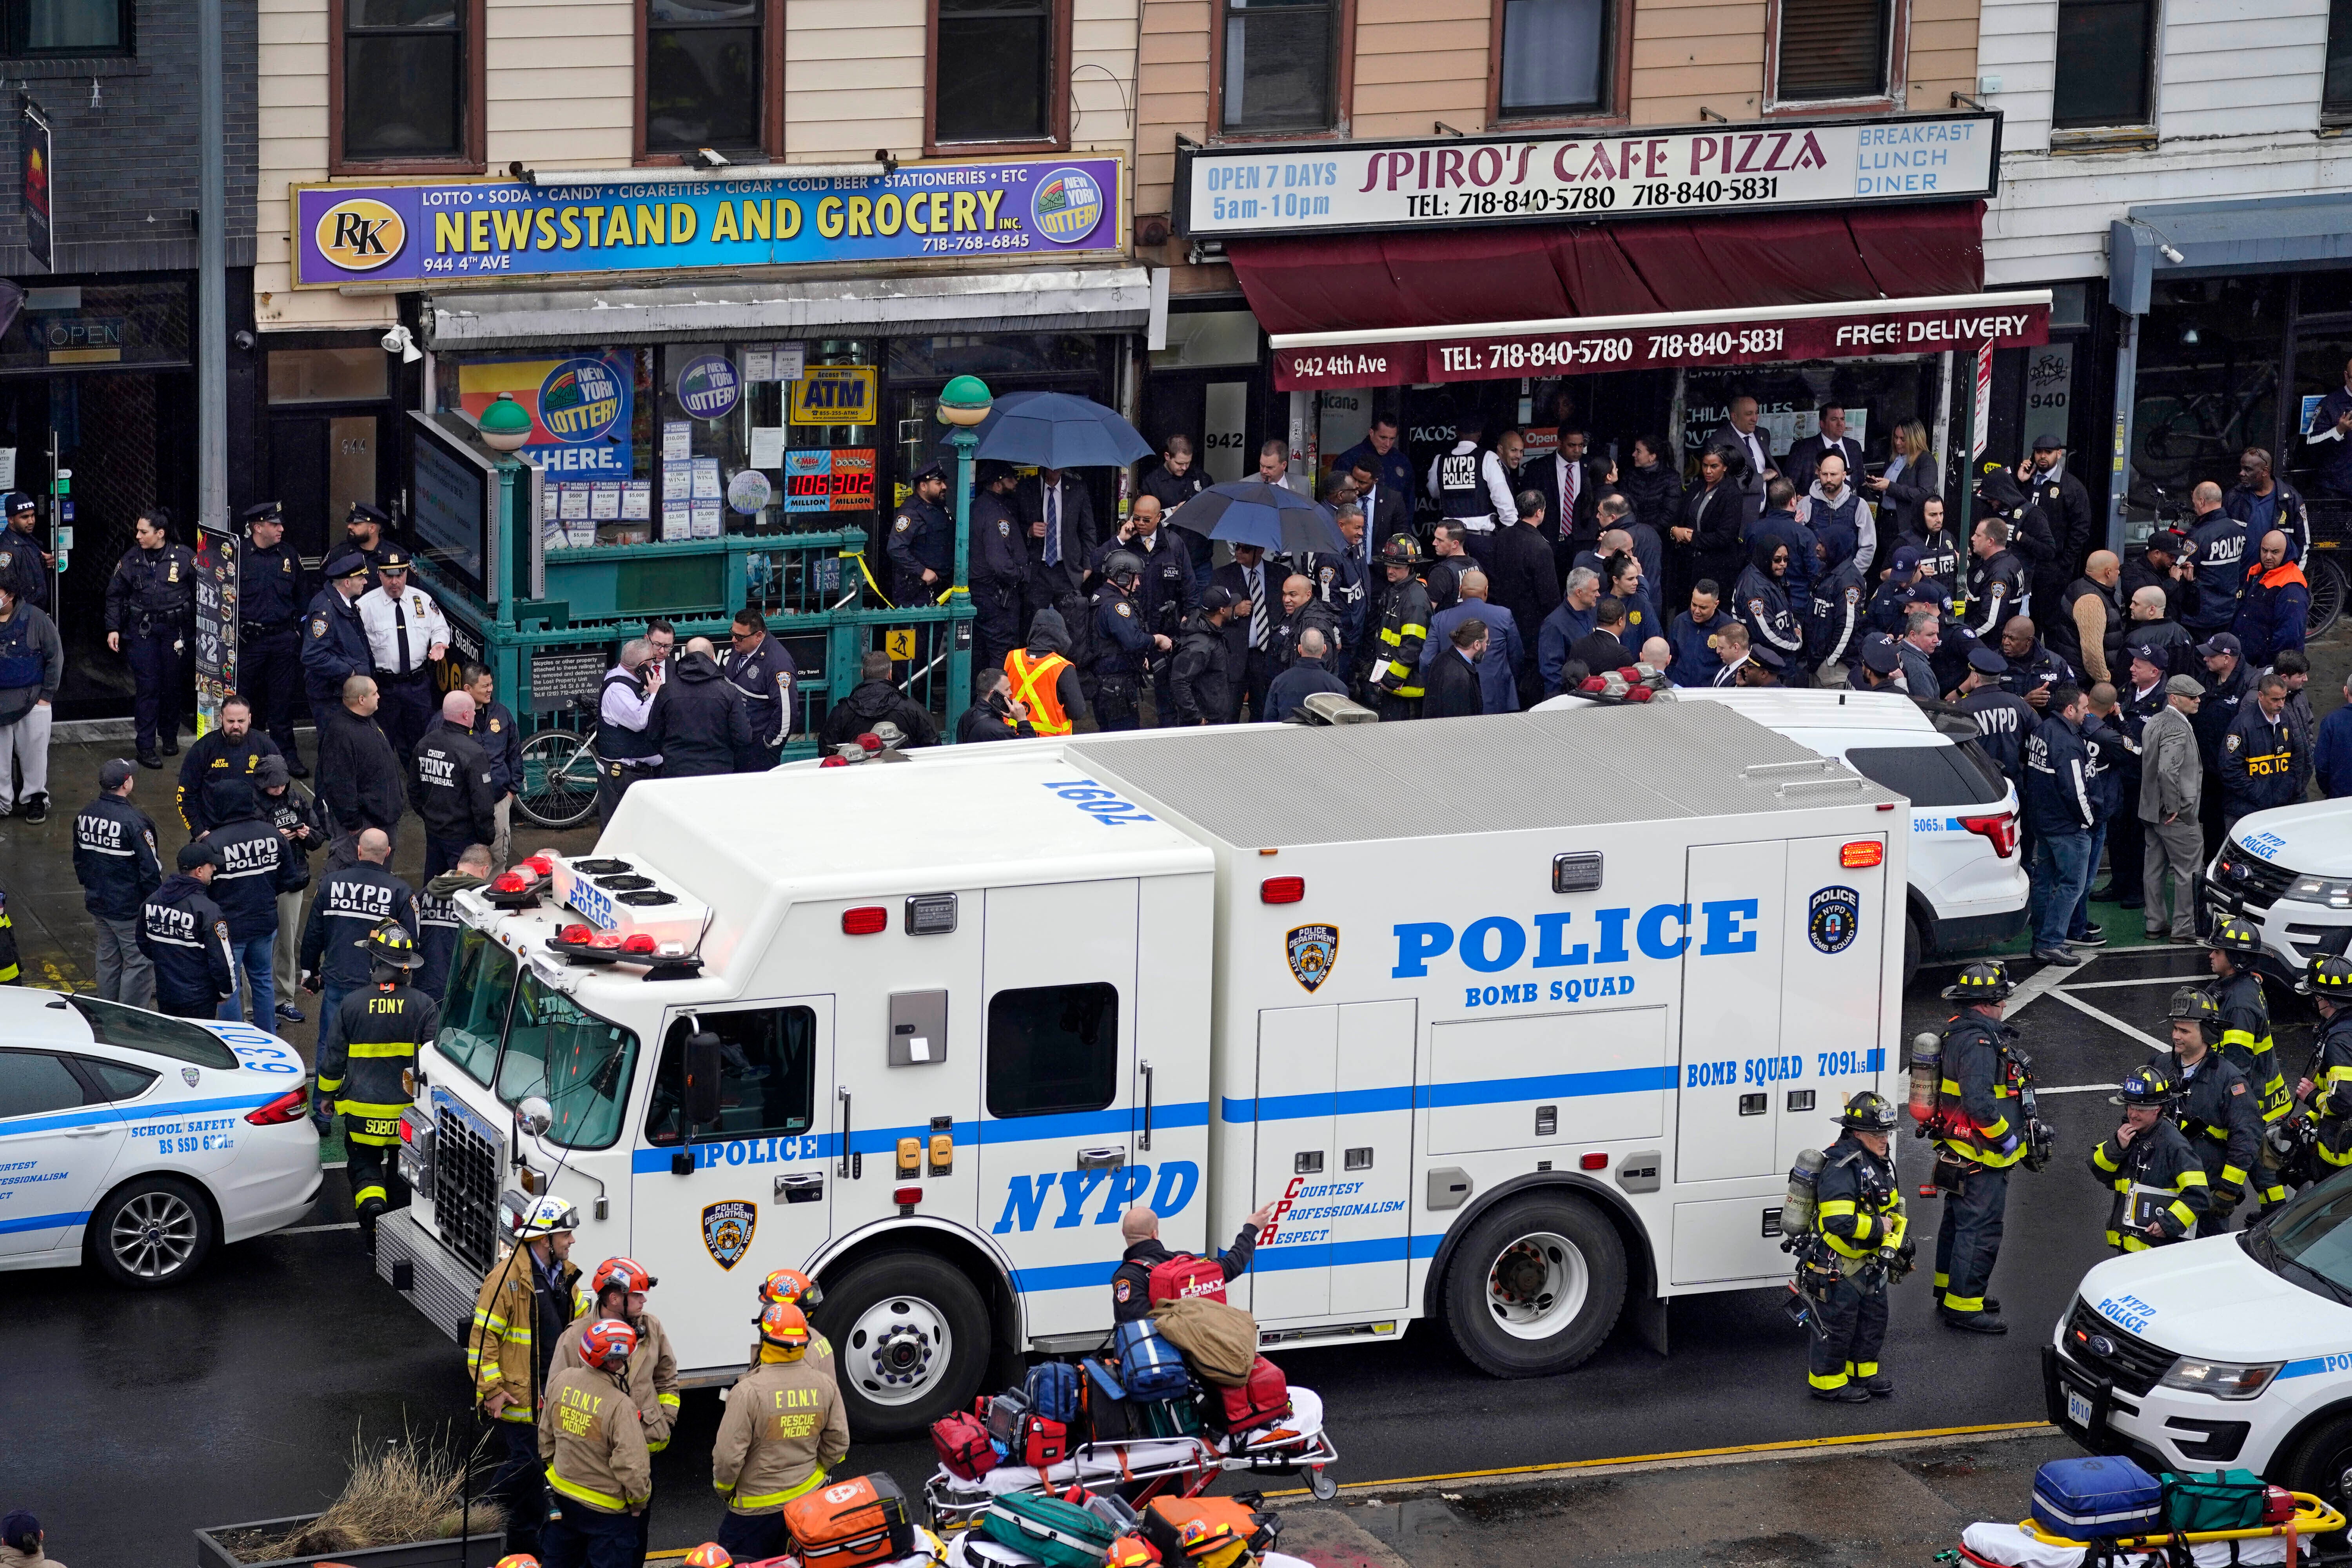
x,y
619,898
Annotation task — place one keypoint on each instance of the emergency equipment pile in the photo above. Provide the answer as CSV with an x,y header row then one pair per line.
x,y
2107,1513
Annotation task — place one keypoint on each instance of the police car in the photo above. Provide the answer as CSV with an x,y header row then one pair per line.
x,y
2228,1351
139,1142
2287,873
1969,884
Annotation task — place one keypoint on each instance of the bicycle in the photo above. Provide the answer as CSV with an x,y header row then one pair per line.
x,y
558,774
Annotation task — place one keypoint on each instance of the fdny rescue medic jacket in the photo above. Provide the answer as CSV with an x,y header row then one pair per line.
x,y
785,1425
594,1444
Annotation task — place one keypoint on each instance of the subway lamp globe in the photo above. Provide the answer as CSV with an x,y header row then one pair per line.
x,y
965,401
505,424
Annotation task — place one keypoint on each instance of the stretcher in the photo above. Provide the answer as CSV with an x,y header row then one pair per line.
x,y
971,1548
1142,1470
2026,1544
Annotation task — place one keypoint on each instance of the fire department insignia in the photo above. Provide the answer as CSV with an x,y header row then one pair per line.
x,y
1832,916
1313,950
727,1230
189,1075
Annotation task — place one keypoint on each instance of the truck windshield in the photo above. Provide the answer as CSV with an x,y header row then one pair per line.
x,y
2307,1240
581,1063
474,1008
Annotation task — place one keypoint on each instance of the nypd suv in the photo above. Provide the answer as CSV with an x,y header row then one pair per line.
x,y
139,1142
2288,873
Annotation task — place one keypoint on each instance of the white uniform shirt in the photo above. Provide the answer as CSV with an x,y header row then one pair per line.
x,y
413,617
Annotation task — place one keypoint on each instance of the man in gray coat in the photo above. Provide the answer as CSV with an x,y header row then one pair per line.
x,y
2171,780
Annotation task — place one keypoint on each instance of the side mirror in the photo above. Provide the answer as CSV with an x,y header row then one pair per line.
x,y
701,1080
534,1115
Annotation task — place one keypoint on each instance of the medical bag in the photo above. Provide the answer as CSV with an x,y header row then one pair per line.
x,y
2099,1498
863,1520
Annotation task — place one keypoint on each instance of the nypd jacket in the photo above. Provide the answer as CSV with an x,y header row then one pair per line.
x,y
2058,780
114,857
2224,696
215,757
183,932
152,592
1997,590
1762,601
352,902
2282,508
2217,549
2157,1180
334,648
2265,761
436,911
766,676
257,863
295,812
2004,722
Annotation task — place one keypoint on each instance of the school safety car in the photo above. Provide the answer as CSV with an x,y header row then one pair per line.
x,y
140,1143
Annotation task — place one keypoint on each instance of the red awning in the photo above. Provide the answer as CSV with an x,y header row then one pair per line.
x,y
1556,274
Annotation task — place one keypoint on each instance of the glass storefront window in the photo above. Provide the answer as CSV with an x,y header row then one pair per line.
x,y
101,323
2208,383
1878,397
994,353
328,375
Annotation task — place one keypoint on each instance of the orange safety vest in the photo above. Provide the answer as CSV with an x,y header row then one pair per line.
x,y
1039,684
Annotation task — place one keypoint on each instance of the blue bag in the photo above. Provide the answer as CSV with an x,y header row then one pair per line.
x,y
1149,1366
2097,1499
1053,1390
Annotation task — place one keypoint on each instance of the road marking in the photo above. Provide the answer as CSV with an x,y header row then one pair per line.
x,y
2079,1088
316,1229
2044,980
1745,1451
2109,1019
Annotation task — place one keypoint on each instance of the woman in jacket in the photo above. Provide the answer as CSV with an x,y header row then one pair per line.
x,y
1762,600
1911,476
1651,486
1706,535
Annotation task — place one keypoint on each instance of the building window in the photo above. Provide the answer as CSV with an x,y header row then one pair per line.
x,y
66,27
1277,63
1832,49
2336,97
703,75
404,82
995,71
2104,50
1555,56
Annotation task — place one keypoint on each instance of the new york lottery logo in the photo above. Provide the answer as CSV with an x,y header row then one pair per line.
x,y
1067,205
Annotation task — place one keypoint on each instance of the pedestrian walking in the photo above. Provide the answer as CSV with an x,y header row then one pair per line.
x,y
150,617
361,777
184,935
2059,814
2171,784
32,666
269,627
255,867
353,900
1859,1245
116,862
302,824
452,786
523,1307
367,1071
501,741
438,921
783,1430
232,749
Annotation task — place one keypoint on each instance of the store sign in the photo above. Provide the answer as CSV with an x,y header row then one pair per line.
x,y
512,228
1710,171
837,479
708,387
216,626
579,408
1702,338
834,395
35,184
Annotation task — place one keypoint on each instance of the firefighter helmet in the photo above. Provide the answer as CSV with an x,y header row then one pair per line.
x,y
517,1560
626,1272
2234,935
2192,1004
709,1555
1984,982
2144,1086
1123,565
1401,549
791,1285
2332,976
391,945
1868,1113
1128,1551
607,1344
784,1326
545,1216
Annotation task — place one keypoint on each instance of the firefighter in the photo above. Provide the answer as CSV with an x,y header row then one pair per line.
x,y
784,1428
2160,1188
795,1289
2237,990
594,1443
2330,1095
1980,1140
367,1070
524,1307
617,1290
1405,626
2216,1109
1860,1227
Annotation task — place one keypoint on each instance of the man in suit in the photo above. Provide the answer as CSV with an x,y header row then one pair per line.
x,y
1451,681
1249,630
1379,503
1806,454
1057,521
1569,494
1742,430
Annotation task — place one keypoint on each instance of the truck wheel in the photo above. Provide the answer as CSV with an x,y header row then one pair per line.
x,y
155,1231
1535,1285
2322,1463
1911,946
911,1339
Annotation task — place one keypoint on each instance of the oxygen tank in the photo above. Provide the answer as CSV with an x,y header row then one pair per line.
x,y
1927,1062
1804,1191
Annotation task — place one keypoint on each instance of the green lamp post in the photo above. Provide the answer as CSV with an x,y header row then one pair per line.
x,y
505,424
963,402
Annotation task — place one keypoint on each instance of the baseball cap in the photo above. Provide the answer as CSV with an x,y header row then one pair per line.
x,y
192,855
1878,655
2048,443
19,501
2171,541
113,773
2185,685
1906,559
2222,642
1987,660
2146,653
350,563
1215,598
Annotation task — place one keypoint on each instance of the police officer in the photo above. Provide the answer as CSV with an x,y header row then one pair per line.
x,y
150,605
301,822
2218,1111
758,666
439,921
1167,590
922,542
352,902
363,531
1344,583
115,861
2216,557
406,636
2237,992
269,627
184,935
1405,626
334,639
2265,759
2160,1188
23,565
1996,582
1977,1141
1123,643
454,787
1468,482
998,564
594,1443
784,1428
231,749
1858,1248
2328,1093
2002,719
1130,1282
367,1069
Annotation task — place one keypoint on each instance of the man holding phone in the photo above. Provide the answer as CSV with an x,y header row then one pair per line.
x,y
2033,669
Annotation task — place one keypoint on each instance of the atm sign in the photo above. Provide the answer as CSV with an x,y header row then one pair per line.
x,y
834,395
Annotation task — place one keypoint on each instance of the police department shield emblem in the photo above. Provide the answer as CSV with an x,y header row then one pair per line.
x,y
727,1230
189,1075
1832,916
1313,950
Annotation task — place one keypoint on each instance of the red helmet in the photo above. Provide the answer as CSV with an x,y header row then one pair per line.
x,y
791,1284
626,1272
517,1559
607,1344
782,1324
709,1555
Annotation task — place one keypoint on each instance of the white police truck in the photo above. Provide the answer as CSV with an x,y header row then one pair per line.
x,y
2225,1351
1516,1019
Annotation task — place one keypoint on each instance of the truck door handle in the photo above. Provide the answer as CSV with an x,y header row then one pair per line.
x,y
1101,1158
798,1189
842,1163
1144,1142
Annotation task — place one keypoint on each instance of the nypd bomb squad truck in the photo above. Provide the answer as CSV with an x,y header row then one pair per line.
x,y
1517,1020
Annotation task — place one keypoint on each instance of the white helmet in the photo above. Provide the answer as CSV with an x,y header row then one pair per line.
x,y
542,1216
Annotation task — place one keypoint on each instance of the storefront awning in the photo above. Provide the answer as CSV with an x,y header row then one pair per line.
x,y
1059,300
2223,238
1584,345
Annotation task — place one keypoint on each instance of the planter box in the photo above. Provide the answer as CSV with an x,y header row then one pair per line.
x,y
484,1550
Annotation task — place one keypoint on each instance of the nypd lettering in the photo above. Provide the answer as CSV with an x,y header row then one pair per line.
x,y
1118,1188
1498,942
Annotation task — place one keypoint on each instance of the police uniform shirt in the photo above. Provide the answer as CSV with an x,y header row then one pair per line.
x,y
151,586
764,676
1121,642
402,628
352,902
268,587
922,536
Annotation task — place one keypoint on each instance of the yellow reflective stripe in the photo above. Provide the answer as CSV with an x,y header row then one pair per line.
x,y
769,1499
1826,1381
1963,1303
655,1446
2234,1176
1997,1127
1835,1206
1412,629
362,1048
516,1414
586,1494
2239,1038
2191,1179
2099,1158
329,1085
362,1194
2114,1239
1863,1368
666,1401
2184,1213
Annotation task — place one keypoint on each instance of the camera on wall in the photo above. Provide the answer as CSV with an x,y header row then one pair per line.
x,y
401,341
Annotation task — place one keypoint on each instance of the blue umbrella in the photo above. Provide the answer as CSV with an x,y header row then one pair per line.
x,y
1057,430
1251,512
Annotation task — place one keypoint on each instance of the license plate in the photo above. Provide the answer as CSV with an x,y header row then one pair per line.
x,y
2078,1409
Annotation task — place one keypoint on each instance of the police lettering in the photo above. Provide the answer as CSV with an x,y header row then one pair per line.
x,y
1497,942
